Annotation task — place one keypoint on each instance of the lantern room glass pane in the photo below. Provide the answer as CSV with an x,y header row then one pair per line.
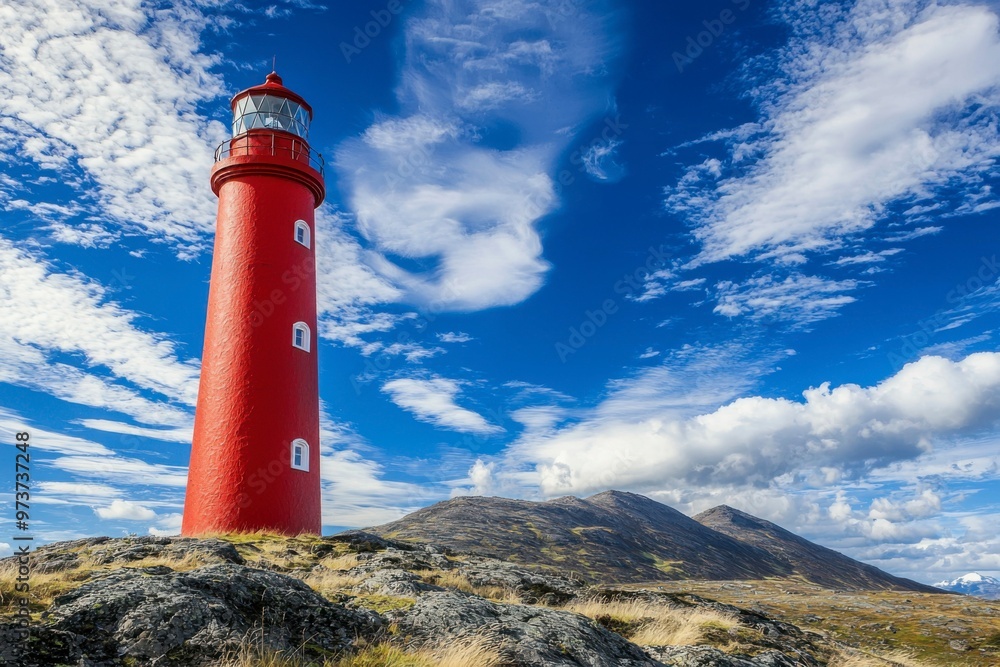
x,y
270,112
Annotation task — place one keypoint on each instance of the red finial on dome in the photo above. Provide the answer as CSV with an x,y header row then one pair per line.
x,y
273,78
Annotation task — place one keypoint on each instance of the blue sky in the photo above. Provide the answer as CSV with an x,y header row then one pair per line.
x,y
736,252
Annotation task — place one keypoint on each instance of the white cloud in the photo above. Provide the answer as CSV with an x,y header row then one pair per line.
x,y
876,104
454,337
78,490
640,440
122,470
433,401
167,525
798,299
125,509
927,503
599,161
869,257
356,494
45,313
46,440
67,67
430,185
169,435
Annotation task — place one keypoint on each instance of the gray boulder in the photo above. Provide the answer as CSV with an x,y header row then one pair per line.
x,y
158,616
395,583
396,559
531,585
138,548
524,636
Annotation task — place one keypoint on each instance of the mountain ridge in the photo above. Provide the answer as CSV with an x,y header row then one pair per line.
x,y
621,537
820,565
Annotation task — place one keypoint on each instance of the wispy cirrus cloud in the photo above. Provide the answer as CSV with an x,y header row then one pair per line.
x,y
799,300
66,66
879,112
875,104
433,400
46,314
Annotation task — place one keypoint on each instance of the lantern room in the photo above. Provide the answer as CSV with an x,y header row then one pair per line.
x,y
271,106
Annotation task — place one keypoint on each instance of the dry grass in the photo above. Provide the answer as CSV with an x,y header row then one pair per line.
x,y
920,634
862,659
342,562
474,652
459,582
383,655
650,624
330,582
44,587
470,653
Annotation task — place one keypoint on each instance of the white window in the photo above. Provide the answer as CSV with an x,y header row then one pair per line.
x,y
302,232
300,454
300,335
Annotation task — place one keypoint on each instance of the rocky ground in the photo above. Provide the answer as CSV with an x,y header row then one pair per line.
x,y
356,599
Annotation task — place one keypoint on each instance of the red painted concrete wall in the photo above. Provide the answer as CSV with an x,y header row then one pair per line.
x,y
258,393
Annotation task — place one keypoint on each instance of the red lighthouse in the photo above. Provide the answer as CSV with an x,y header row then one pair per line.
x,y
255,453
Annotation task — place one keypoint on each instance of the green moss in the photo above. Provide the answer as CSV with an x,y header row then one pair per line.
x,y
384,603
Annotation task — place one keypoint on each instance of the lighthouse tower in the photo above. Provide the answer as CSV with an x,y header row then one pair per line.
x,y
255,453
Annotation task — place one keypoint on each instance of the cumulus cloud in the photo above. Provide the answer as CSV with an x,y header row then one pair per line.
x,y
125,509
875,104
636,440
433,401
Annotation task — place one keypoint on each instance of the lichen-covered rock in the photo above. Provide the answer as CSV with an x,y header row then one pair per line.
x,y
706,656
138,548
393,558
524,636
395,582
157,616
531,585
59,556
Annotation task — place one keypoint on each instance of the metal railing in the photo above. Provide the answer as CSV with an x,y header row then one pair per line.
x,y
285,146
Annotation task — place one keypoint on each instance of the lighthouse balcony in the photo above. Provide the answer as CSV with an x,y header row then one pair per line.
x,y
279,144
